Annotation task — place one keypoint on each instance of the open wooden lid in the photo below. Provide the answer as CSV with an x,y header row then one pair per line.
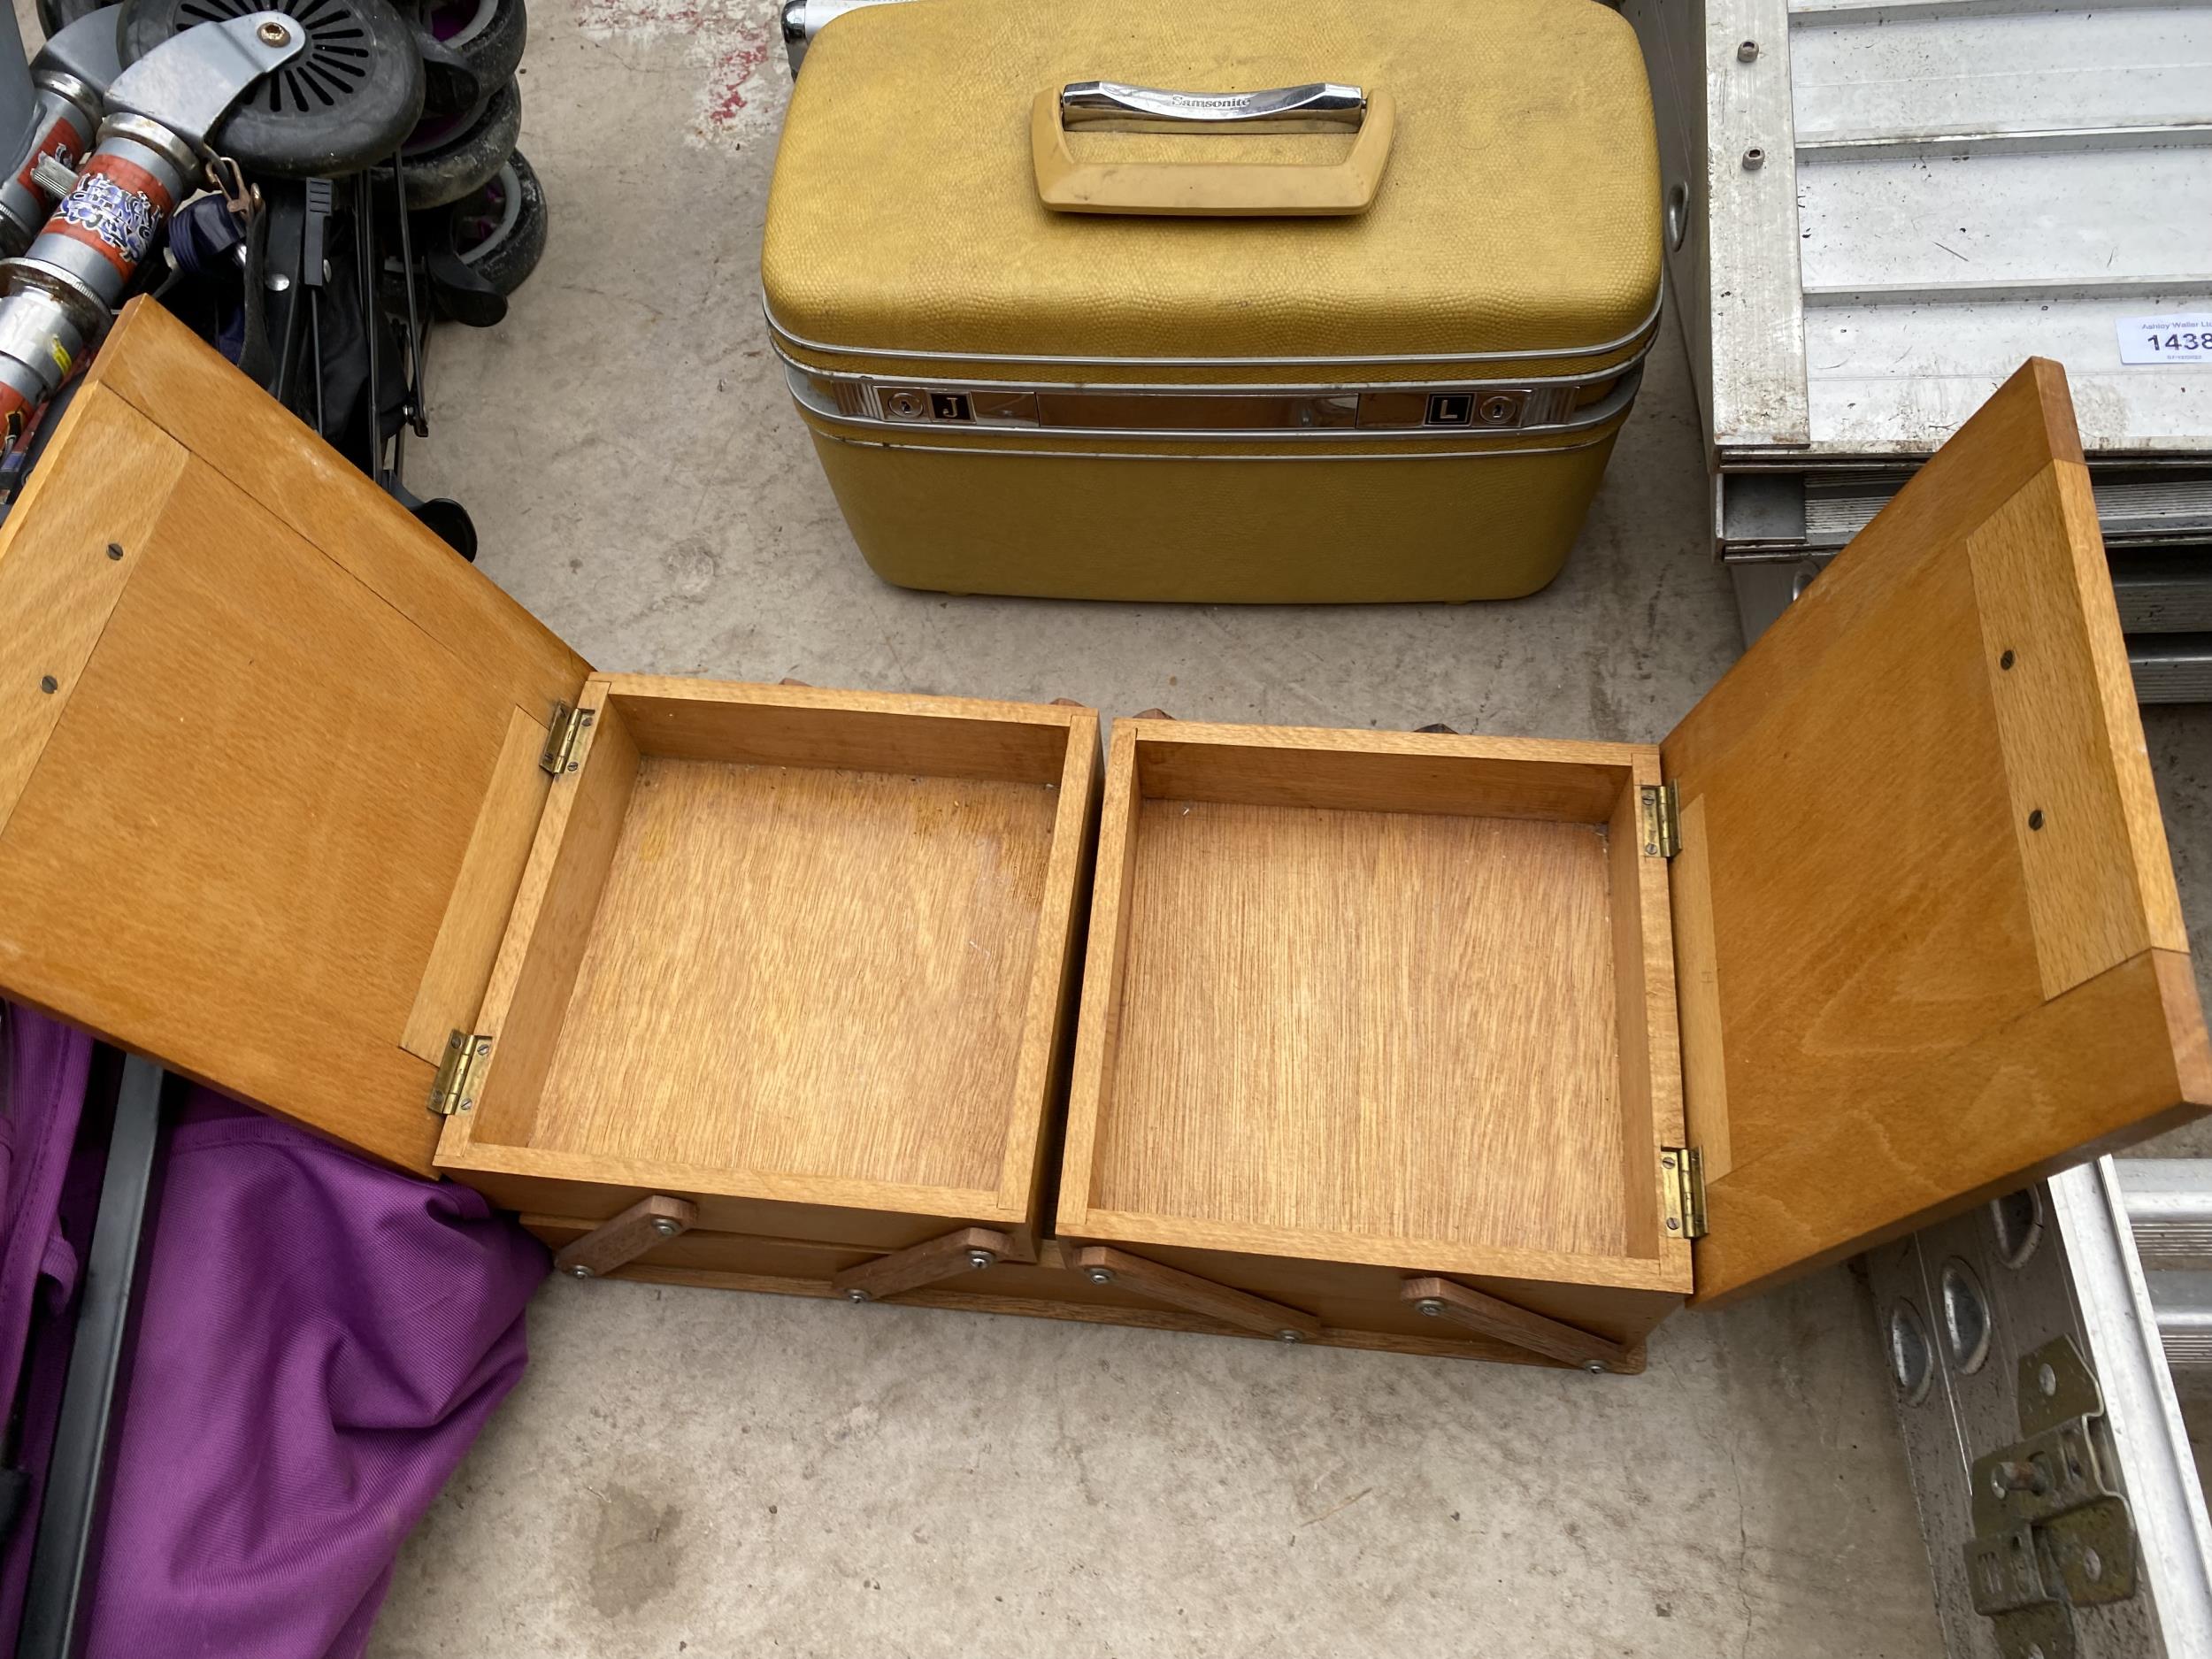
x,y
1928,941
268,750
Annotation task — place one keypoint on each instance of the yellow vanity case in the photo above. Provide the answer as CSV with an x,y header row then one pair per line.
x,y
1354,312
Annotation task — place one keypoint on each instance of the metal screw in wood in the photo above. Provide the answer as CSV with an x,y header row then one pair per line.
x,y
580,1271
980,1259
1099,1275
1430,1305
1594,1366
856,1295
115,549
1290,1336
48,683
666,1227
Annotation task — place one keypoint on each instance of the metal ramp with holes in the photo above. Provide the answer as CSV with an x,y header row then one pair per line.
x,y
2058,1497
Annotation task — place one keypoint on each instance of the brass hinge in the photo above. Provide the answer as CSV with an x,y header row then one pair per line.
x,y
1663,825
1682,1191
460,1073
563,738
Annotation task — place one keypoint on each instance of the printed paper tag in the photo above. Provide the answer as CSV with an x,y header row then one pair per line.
x,y
2166,339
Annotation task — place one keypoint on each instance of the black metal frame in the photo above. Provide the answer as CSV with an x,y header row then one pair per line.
x,y
68,1520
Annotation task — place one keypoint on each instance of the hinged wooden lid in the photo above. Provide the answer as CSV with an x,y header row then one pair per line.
x,y
268,750
1928,941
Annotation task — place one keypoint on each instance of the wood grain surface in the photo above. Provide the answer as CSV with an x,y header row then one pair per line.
x,y
1647,1040
239,845
1921,999
548,929
864,1215
1048,1032
58,583
669,897
158,365
864,731
451,994
1305,1246
2085,816
1382,771
806,972
1697,996
276,722
1396,1025
1102,992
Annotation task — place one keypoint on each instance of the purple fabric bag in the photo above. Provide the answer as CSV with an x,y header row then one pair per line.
x,y
319,1341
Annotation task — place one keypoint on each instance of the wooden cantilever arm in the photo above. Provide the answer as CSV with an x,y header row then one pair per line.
x,y
1195,1295
623,1238
1441,1299
964,1251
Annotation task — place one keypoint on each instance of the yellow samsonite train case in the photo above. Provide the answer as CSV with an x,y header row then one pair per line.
x,y
1356,319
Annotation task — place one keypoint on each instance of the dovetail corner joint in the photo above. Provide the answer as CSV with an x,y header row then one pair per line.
x,y
1661,825
563,738
1682,1191
459,1073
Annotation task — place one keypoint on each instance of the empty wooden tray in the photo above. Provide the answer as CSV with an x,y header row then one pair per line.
x,y
1366,1005
798,956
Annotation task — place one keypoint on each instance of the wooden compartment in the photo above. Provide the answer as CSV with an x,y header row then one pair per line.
x,y
1363,1005
1446,1045
800,956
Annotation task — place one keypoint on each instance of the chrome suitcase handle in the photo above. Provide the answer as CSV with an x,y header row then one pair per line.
x,y
1200,182
1322,103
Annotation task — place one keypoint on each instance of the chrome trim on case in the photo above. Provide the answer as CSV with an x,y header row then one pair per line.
x,y
1097,103
1643,335
1243,389
1421,411
1302,460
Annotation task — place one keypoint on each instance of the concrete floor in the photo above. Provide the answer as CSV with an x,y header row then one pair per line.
x,y
692,1471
